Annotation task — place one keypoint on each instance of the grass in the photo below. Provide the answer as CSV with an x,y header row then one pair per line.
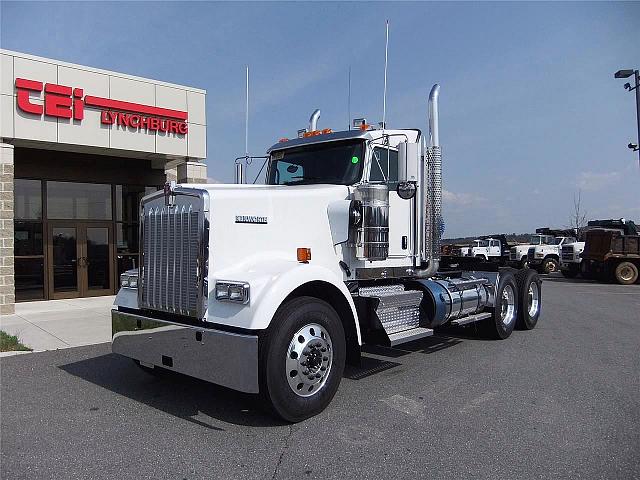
x,y
11,343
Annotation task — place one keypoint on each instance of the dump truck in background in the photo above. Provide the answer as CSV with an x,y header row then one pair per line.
x,y
612,251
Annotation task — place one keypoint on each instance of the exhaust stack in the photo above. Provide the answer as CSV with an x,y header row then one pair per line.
x,y
431,192
313,120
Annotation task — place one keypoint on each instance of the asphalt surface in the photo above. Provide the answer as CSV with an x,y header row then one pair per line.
x,y
561,401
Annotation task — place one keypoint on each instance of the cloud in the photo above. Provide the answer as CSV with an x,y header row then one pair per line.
x,y
592,181
462,199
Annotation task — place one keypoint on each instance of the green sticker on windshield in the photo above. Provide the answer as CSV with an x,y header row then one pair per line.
x,y
354,160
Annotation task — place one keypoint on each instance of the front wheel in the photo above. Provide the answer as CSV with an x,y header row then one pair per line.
x,y
505,312
550,265
302,358
571,271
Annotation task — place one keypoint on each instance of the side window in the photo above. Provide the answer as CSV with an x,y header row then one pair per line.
x,y
286,171
494,243
387,160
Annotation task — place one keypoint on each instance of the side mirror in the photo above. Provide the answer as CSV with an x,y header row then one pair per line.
x,y
408,161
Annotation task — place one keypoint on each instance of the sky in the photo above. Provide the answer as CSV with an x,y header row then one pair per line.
x,y
530,113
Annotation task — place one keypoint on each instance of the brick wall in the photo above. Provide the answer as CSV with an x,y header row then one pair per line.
x,y
7,291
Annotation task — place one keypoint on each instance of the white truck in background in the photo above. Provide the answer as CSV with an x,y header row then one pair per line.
x,y
519,254
270,289
571,260
545,258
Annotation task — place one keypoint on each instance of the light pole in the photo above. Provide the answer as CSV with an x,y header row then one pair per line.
x,y
636,87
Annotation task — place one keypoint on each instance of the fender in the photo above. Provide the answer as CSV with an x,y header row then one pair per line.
x,y
270,281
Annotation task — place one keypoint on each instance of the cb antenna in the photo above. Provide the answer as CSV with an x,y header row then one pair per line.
x,y
243,162
384,95
246,119
349,101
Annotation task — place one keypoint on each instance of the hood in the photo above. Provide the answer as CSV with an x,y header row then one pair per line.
x,y
271,221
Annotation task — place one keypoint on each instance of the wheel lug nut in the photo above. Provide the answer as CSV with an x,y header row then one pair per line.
x,y
305,372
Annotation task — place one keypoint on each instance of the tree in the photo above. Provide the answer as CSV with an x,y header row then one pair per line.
x,y
578,219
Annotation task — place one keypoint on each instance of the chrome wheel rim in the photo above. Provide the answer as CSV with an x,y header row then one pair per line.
x,y
507,305
551,267
309,359
533,299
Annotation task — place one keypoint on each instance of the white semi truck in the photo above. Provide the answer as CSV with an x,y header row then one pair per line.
x,y
270,289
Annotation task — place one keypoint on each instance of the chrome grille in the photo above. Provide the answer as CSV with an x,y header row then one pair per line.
x,y
174,248
567,252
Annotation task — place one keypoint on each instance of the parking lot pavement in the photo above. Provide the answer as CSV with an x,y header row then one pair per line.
x,y
561,401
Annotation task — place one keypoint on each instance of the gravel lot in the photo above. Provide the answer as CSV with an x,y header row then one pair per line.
x,y
561,401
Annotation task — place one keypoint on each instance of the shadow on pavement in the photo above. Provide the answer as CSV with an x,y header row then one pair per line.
x,y
178,395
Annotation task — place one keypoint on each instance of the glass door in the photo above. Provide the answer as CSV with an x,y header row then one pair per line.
x,y
97,262
80,259
64,257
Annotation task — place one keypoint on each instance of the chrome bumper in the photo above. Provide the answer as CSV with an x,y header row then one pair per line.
x,y
224,358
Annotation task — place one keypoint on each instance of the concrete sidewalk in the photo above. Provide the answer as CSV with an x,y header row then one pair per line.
x,y
55,324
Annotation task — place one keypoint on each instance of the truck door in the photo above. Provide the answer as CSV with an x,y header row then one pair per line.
x,y
494,248
384,168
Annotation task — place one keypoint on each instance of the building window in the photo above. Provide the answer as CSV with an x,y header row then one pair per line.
x,y
28,240
78,201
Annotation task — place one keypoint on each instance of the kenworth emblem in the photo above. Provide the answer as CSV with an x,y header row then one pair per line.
x,y
250,219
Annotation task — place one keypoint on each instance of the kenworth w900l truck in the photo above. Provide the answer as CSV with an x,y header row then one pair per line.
x,y
270,289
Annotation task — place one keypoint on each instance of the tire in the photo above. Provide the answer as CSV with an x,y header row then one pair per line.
x,y
505,313
530,299
524,262
571,272
550,265
626,273
285,388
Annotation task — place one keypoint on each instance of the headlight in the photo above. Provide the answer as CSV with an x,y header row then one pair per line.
x,y
232,292
539,255
129,280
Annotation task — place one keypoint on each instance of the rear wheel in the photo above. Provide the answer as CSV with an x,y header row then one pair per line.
x,y
505,313
626,273
302,358
550,265
524,262
530,296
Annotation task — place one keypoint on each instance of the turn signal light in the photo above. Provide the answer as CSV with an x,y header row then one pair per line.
x,y
364,127
304,255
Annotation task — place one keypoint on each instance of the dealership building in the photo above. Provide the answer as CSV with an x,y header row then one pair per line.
x,y
79,147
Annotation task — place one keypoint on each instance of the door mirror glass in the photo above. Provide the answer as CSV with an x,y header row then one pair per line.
x,y
408,158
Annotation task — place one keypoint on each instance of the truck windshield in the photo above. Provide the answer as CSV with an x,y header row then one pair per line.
x,y
535,240
337,163
558,240
481,243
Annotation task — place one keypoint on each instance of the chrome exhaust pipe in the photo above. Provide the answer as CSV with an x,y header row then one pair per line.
x,y
431,191
313,120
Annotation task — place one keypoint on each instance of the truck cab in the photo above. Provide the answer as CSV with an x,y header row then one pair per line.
x,y
270,289
485,249
520,253
546,257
